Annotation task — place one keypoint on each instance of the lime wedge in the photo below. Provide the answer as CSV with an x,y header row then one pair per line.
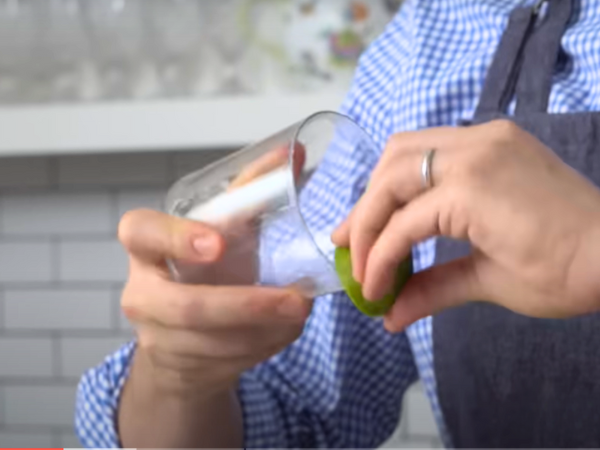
x,y
343,267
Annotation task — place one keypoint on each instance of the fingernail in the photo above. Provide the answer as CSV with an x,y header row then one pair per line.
x,y
368,295
371,294
205,246
357,275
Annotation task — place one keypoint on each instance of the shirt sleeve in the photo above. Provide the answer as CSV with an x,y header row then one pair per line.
x,y
340,385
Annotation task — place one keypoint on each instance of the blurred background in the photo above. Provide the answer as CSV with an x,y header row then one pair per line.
x,y
105,103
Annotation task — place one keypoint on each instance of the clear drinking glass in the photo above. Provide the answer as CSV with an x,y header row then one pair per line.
x,y
256,198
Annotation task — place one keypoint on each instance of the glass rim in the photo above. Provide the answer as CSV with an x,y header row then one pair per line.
x,y
293,192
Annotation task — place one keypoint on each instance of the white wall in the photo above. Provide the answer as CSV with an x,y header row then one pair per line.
x,y
61,273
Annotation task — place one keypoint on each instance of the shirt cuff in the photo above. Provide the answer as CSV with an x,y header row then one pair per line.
x,y
98,397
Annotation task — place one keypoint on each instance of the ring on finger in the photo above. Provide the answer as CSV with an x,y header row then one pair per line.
x,y
426,169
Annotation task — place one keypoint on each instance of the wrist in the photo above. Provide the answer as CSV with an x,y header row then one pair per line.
x,y
157,412
183,384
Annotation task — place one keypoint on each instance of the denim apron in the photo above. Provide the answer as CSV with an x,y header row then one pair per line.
x,y
504,380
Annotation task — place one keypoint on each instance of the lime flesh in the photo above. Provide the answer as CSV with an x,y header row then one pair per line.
x,y
377,308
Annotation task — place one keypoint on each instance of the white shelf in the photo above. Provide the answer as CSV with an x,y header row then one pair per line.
x,y
152,125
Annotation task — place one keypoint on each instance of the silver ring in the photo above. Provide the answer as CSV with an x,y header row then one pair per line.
x,y
426,170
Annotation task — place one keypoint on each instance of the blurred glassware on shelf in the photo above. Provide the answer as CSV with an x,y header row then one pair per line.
x,y
17,33
229,32
81,50
175,29
59,53
320,40
119,48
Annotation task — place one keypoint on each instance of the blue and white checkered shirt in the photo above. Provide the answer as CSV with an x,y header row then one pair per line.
x,y
341,384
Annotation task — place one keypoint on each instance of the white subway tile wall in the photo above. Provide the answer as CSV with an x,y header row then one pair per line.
x,y
39,361
61,275
56,214
48,405
57,309
23,261
101,260
32,439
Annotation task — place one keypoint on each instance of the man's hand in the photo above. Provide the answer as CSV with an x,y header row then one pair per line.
x,y
194,340
200,337
534,222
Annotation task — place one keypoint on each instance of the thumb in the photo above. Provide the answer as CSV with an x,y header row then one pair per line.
x,y
434,290
151,237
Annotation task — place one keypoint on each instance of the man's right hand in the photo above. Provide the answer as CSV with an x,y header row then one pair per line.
x,y
193,340
200,337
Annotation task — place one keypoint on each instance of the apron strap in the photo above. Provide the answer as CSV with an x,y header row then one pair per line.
x,y
541,54
502,75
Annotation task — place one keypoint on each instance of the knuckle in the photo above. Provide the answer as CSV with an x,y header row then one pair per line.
x,y
186,308
239,348
132,304
147,340
399,142
383,257
258,306
504,129
453,219
128,303
126,228
491,152
395,141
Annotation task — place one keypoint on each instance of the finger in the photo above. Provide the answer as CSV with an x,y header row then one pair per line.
x,y
407,227
298,161
403,156
232,343
202,307
151,237
270,161
341,235
396,180
434,290
372,213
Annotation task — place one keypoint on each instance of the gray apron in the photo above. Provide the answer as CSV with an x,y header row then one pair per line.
x,y
505,380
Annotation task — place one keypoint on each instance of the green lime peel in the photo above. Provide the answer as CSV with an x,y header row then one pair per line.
x,y
377,308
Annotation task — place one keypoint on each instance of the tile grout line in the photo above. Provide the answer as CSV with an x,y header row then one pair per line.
x,y
114,211
55,275
2,308
53,168
81,333
56,353
72,237
115,309
35,429
2,405
171,168
1,214
56,437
